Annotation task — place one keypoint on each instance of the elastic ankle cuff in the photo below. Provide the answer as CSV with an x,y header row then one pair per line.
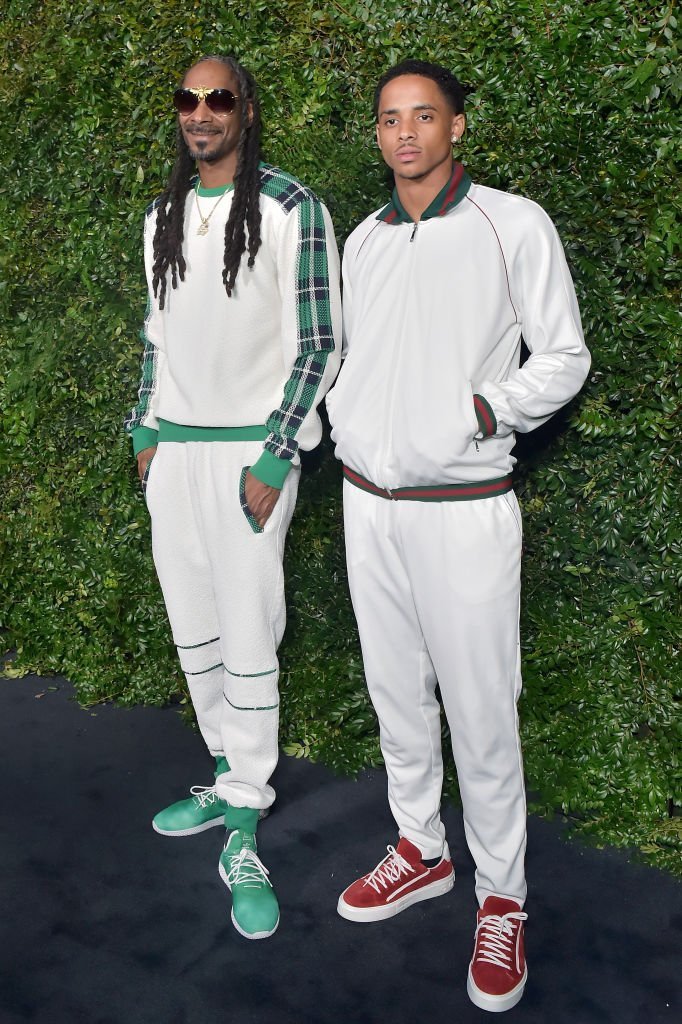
x,y
244,818
221,765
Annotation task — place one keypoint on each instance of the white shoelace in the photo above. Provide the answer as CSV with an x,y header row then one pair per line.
x,y
247,869
497,934
204,795
389,870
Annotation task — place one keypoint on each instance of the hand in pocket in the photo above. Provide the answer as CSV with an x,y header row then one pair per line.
x,y
260,497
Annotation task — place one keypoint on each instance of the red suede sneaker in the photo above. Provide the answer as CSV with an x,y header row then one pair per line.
x,y
498,972
400,880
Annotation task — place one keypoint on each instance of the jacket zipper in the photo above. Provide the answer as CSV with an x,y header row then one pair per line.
x,y
388,434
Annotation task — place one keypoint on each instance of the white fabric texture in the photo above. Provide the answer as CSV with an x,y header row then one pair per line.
x,y
435,588
429,322
223,586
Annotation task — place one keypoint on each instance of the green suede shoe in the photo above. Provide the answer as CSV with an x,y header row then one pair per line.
x,y
255,911
202,810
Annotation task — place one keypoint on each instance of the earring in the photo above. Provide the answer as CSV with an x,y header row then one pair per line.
x,y
454,140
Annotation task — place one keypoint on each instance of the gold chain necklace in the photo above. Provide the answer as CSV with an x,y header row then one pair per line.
x,y
204,226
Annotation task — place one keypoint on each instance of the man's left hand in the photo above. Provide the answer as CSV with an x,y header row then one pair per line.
x,y
260,497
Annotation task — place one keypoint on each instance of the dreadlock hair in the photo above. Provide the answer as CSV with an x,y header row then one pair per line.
x,y
451,87
245,209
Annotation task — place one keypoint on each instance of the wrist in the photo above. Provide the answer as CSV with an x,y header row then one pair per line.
x,y
270,470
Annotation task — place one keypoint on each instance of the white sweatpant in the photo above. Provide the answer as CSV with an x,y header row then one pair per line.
x,y
435,589
223,586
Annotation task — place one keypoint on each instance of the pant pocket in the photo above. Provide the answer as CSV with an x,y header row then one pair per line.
x,y
145,476
512,504
250,518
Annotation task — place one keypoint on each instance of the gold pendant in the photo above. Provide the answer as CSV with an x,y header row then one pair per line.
x,y
203,228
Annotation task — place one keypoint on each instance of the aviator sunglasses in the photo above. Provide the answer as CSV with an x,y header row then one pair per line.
x,y
219,101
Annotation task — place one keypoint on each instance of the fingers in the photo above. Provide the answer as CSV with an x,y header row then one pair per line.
x,y
260,498
264,507
143,459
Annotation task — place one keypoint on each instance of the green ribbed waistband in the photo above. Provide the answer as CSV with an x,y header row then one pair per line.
x,y
180,432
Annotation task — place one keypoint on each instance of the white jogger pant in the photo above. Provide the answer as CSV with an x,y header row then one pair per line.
x,y
223,586
435,589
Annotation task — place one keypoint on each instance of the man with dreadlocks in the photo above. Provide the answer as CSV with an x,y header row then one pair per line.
x,y
239,348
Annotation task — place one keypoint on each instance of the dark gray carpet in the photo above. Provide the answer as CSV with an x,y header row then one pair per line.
x,y
105,922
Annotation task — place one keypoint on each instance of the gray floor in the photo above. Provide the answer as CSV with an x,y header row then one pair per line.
x,y
105,922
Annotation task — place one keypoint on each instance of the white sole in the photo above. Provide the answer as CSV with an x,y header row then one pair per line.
x,y
495,1004
428,892
212,823
257,935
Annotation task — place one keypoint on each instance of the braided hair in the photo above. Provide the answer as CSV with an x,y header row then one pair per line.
x,y
244,212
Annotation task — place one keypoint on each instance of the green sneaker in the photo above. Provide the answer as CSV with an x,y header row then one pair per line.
x,y
255,911
202,810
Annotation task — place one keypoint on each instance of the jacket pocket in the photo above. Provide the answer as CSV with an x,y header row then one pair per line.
x,y
485,416
250,518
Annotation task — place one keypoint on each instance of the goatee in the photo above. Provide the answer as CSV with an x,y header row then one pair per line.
x,y
206,155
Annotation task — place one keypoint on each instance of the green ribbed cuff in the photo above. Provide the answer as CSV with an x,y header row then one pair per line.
x,y
143,437
270,470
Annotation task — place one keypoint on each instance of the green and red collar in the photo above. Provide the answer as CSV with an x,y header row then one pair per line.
x,y
452,193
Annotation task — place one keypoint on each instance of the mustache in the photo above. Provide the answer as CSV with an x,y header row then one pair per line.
x,y
199,130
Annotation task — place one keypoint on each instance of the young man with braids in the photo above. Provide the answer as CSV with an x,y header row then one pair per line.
x,y
239,348
439,287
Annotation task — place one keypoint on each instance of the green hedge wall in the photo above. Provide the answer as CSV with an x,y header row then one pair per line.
x,y
575,106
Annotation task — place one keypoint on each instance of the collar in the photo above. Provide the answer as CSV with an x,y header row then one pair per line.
x,y
452,193
219,190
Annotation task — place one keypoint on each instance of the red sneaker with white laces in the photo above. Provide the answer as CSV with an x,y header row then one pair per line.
x,y
498,972
400,880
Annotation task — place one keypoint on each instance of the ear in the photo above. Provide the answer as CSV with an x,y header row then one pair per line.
x,y
249,112
376,134
457,126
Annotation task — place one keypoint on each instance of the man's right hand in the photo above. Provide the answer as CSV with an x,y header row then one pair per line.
x,y
143,459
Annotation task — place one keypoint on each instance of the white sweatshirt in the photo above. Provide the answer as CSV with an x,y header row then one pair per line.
x,y
262,357
433,315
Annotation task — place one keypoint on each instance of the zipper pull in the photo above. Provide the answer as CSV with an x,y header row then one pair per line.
x,y
414,231
476,443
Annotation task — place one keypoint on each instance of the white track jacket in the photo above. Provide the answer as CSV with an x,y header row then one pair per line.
x,y
434,314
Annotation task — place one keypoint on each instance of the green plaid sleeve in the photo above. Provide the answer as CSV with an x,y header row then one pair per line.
x,y
299,397
315,334
144,436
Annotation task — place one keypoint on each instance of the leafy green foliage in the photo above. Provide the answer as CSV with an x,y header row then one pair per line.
x,y
575,106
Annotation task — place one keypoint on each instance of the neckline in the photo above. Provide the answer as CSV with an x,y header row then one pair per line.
x,y
219,190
